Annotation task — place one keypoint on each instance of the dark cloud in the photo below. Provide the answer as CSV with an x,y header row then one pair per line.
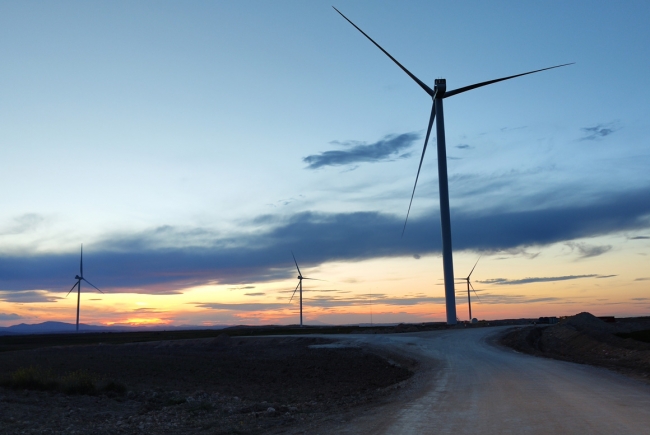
x,y
640,238
360,152
254,294
505,281
168,259
11,316
417,256
606,276
587,250
598,131
642,279
463,146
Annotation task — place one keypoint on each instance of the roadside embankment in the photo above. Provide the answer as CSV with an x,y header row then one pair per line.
x,y
586,339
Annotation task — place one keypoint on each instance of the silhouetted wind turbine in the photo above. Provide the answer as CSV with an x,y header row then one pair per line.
x,y
438,93
80,278
469,284
300,278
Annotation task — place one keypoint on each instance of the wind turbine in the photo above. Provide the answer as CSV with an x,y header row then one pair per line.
x,y
438,93
80,278
300,278
469,284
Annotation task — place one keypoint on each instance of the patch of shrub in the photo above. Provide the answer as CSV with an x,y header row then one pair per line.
x,y
31,378
77,382
112,386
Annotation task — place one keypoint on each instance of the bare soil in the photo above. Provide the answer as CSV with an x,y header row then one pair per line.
x,y
219,385
585,339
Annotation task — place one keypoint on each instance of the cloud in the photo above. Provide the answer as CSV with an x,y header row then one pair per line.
x,y
25,297
587,250
254,294
23,224
606,276
491,298
640,238
361,152
642,279
599,131
463,146
506,281
417,256
168,259
12,316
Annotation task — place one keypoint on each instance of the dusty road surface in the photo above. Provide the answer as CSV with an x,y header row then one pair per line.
x,y
469,385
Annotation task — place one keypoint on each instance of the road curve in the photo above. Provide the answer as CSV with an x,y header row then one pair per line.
x,y
472,386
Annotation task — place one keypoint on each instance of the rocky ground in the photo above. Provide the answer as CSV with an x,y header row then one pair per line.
x,y
585,339
219,385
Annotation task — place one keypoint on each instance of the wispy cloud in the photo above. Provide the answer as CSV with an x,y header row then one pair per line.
x,y
491,298
640,238
599,131
506,281
9,316
642,279
587,251
361,152
22,224
254,294
463,146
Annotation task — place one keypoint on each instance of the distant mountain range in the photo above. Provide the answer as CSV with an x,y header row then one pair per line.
x,y
64,328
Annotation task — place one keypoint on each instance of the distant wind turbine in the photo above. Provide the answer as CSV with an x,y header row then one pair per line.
x,y
80,278
469,284
300,278
438,93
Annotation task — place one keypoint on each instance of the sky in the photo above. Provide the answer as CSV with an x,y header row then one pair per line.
x,y
192,146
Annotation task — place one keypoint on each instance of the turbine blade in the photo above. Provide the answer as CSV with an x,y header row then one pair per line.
x,y
294,292
315,279
489,82
81,261
472,287
93,285
427,89
470,274
426,141
294,260
76,284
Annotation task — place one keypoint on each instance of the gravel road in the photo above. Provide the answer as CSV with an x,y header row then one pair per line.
x,y
470,385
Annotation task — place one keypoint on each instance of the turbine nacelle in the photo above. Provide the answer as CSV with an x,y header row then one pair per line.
x,y
299,277
77,277
440,87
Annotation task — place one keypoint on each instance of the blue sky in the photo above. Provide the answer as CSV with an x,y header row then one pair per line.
x,y
195,144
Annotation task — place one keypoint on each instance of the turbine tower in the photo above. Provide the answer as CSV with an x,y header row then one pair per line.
x,y
438,93
80,278
300,278
469,284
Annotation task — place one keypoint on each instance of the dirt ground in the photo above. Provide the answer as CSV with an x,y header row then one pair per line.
x,y
585,339
219,385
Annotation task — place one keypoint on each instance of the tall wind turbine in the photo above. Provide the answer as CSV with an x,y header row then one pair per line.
x,y
469,284
438,93
300,278
80,278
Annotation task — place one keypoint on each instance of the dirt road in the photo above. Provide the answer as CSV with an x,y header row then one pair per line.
x,y
468,385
